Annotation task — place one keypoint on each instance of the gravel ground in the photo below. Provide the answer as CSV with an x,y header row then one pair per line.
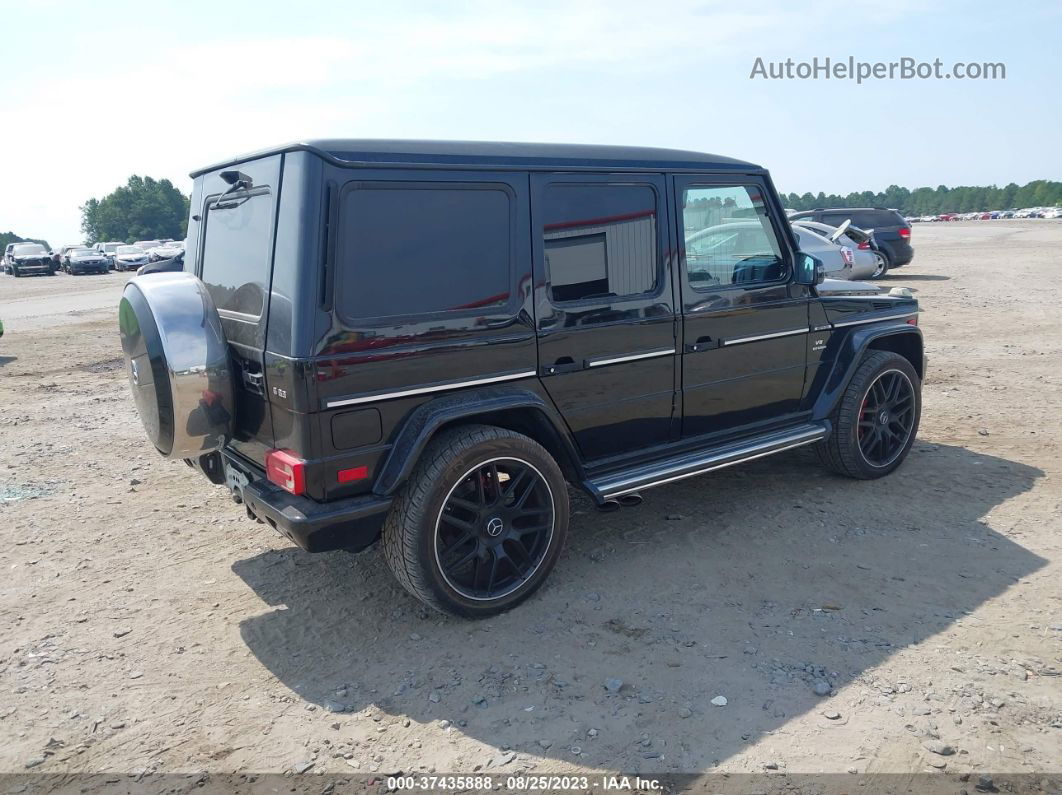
x,y
770,617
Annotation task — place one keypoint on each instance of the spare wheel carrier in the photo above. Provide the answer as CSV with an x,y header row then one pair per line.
x,y
178,363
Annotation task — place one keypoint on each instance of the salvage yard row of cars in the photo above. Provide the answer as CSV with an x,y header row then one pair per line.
x,y
848,251
1028,212
27,259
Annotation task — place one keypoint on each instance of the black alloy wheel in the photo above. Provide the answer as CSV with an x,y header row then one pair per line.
x,y
494,529
886,418
480,523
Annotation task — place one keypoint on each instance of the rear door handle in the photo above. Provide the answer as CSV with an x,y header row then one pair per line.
x,y
565,364
702,344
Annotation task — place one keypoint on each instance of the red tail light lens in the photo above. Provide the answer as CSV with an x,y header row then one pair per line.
x,y
864,246
286,471
912,320
905,232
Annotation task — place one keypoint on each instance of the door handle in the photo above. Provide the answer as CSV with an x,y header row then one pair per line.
x,y
564,364
702,344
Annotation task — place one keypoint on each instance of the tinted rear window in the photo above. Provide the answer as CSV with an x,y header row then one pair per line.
x,y
423,250
236,251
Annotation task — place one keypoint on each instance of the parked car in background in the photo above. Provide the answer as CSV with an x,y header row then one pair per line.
x,y
1053,212
868,262
171,265
7,257
85,260
710,252
108,249
27,258
891,232
129,258
147,245
60,256
166,250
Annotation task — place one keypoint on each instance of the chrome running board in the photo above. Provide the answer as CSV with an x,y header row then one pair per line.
x,y
609,487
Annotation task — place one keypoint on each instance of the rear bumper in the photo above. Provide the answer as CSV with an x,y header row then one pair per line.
x,y
352,524
900,252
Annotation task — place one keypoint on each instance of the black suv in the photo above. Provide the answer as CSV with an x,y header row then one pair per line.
x,y
426,341
892,233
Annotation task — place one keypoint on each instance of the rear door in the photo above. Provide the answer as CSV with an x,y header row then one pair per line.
x,y
234,236
605,308
745,325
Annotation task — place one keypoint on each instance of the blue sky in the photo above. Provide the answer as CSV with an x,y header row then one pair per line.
x,y
95,92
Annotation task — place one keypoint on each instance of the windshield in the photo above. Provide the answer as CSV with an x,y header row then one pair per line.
x,y
110,247
129,250
28,248
81,252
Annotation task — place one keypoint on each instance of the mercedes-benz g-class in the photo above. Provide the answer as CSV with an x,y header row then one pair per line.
x,y
425,342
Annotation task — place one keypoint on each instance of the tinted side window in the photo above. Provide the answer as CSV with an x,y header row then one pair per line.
x,y
237,251
600,240
423,250
729,238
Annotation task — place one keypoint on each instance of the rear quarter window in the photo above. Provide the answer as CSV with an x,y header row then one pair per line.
x,y
423,250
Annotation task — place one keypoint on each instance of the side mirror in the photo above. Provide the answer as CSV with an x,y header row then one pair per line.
x,y
810,270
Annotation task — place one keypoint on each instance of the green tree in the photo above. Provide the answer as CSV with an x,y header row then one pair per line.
x,y
142,209
11,237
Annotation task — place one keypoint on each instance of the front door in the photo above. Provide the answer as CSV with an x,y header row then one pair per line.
x,y
605,307
745,325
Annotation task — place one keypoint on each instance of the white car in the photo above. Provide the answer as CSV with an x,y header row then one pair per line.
x,y
129,258
718,254
867,263
167,250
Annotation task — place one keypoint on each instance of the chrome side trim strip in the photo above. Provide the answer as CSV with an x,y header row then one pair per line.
x,y
633,357
239,317
423,390
791,332
872,320
719,461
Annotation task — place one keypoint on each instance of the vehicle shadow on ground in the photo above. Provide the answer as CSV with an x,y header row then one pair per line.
x,y
754,583
7,359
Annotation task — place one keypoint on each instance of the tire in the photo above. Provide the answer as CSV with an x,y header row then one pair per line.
x,y
458,469
882,267
860,416
15,272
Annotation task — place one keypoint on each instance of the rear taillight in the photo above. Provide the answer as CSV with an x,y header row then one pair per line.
x,y
286,471
905,232
864,246
912,320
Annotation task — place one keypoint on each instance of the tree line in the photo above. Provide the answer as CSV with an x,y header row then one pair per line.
x,y
142,209
942,199
11,237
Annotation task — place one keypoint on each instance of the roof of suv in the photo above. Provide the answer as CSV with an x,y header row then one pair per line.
x,y
496,154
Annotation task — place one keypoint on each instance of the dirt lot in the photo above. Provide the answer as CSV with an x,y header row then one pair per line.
x,y
148,626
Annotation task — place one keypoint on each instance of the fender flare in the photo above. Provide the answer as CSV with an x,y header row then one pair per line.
x,y
853,347
424,421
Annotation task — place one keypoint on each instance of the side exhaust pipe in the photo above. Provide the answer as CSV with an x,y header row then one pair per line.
x,y
626,501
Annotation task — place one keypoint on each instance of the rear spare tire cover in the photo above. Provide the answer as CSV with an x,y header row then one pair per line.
x,y
178,363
